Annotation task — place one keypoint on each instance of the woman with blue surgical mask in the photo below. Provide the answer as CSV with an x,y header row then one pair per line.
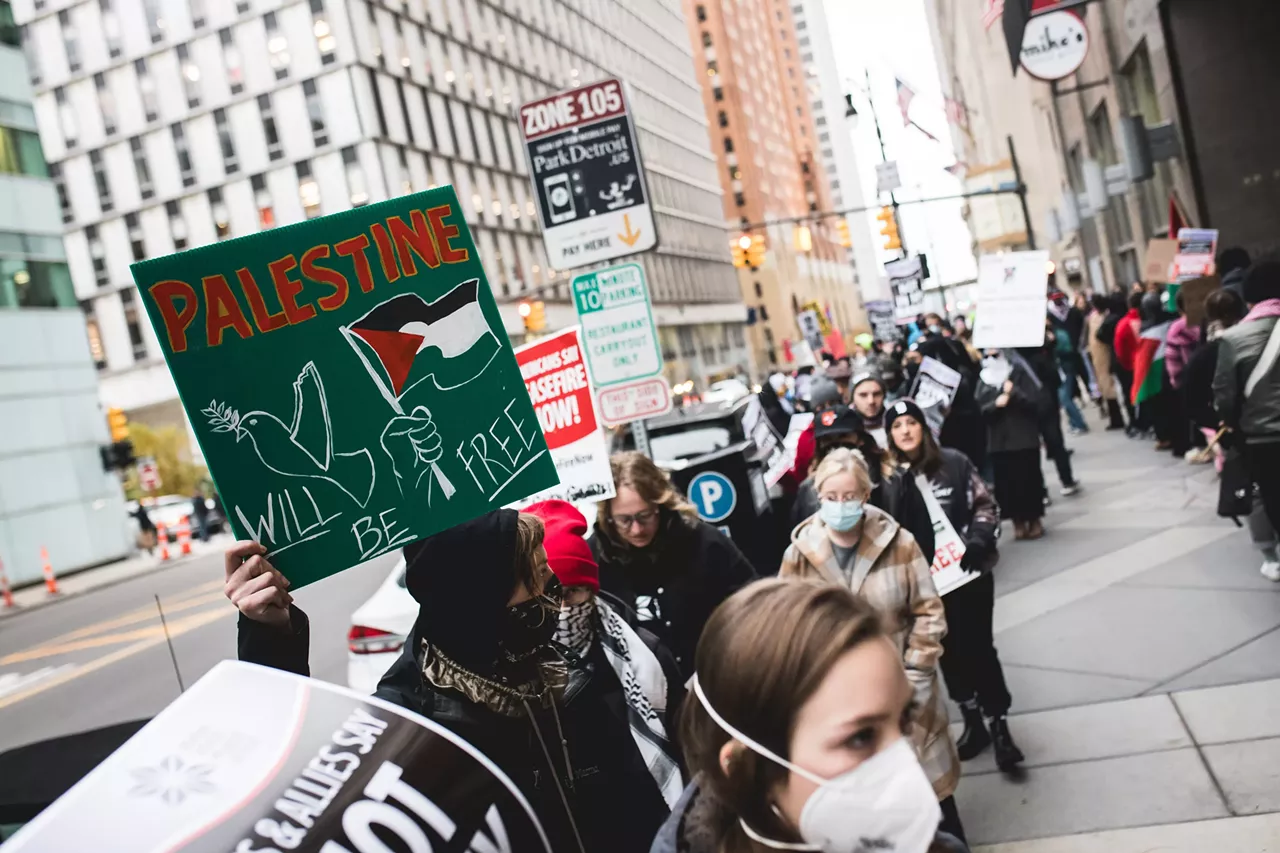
x,y
853,544
795,732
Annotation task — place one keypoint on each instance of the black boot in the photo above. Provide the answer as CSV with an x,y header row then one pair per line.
x,y
1008,756
975,737
1113,411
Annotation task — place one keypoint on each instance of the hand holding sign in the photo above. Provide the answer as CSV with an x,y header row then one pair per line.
x,y
413,443
254,586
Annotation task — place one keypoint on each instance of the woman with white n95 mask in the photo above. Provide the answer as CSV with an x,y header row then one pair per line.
x,y
866,551
795,733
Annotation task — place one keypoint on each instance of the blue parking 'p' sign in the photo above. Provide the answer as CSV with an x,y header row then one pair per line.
x,y
713,496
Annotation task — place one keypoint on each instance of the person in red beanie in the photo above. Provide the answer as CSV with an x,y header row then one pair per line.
x,y
629,663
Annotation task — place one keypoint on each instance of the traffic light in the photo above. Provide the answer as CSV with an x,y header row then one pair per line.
x,y
117,456
755,253
889,228
842,227
740,245
804,239
534,314
119,423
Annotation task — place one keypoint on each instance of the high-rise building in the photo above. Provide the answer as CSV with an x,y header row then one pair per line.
x,y
173,123
827,94
756,96
56,494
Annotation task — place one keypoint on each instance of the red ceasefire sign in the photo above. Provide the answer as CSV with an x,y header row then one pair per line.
x,y
556,378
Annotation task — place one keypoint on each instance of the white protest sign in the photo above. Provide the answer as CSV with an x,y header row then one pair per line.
x,y
935,388
257,759
948,547
555,375
1012,296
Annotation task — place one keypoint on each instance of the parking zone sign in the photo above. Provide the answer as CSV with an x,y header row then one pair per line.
x,y
587,176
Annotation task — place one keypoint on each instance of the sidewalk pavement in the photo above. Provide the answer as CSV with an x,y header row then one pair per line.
x,y
35,596
1142,649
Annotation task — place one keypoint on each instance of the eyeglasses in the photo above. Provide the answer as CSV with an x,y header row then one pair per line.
x,y
624,522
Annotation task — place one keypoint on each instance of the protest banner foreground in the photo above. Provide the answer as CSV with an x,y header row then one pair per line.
x,y
555,373
349,380
256,759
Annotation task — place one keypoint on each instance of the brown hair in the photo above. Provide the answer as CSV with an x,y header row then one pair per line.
x,y
758,685
529,535
637,471
930,454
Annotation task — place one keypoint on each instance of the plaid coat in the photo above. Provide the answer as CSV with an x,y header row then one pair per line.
x,y
889,571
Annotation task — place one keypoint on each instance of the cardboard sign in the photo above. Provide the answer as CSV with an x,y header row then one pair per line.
x,y
349,380
555,373
906,279
256,759
948,547
1158,268
1011,300
587,176
1194,295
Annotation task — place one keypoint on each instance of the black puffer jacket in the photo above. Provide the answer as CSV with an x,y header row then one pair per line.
x,y
462,580
1017,425
671,586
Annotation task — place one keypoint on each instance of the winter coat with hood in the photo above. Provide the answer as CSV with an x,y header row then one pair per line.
x,y
892,575
1239,349
554,731
671,586
697,821
1015,426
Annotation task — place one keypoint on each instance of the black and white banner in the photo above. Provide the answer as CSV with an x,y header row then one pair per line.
x,y
255,760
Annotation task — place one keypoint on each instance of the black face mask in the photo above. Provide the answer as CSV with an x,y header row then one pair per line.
x,y
531,624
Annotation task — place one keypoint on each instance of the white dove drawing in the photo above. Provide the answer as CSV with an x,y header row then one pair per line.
x,y
303,448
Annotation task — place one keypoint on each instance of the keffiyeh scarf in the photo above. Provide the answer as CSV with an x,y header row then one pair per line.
x,y
644,685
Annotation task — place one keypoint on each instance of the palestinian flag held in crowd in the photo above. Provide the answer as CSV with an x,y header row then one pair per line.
x,y
406,340
1148,364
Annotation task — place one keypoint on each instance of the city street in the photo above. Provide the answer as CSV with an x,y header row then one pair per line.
x,y
1141,646
100,658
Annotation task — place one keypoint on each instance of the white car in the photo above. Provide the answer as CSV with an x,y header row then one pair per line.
x,y
379,628
726,391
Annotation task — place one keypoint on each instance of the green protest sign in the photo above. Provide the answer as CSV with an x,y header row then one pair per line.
x,y
349,380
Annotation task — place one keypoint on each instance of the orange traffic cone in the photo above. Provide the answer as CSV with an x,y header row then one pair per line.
x,y
184,536
162,538
50,580
4,588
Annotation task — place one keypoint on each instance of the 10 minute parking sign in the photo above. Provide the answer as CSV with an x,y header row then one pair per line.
x,y
587,176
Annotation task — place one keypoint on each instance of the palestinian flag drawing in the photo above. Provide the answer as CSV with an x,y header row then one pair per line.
x,y
1148,363
407,340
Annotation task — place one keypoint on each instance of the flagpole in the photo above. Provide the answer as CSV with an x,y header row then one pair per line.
x,y
884,158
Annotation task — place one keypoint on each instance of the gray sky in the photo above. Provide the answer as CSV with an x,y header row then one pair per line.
x,y
891,39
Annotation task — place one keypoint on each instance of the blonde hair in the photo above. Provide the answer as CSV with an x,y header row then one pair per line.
x,y
842,460
637,471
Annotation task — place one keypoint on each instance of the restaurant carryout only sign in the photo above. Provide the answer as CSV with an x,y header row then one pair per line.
x,y
587,177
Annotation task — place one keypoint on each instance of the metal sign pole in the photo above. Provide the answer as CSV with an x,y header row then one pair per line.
x,y
641,434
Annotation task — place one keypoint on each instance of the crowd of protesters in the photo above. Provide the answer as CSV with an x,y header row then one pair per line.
x,y
646,690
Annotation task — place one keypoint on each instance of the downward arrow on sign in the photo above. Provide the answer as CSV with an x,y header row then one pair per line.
x,y
630,237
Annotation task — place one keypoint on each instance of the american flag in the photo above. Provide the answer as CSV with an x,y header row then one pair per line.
x,y
992,13
905,96
957,112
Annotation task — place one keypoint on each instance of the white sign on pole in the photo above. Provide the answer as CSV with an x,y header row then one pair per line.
x,y
1011,300
620,339
555,374
887,177
810,328
148,474
1054,45
587,176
